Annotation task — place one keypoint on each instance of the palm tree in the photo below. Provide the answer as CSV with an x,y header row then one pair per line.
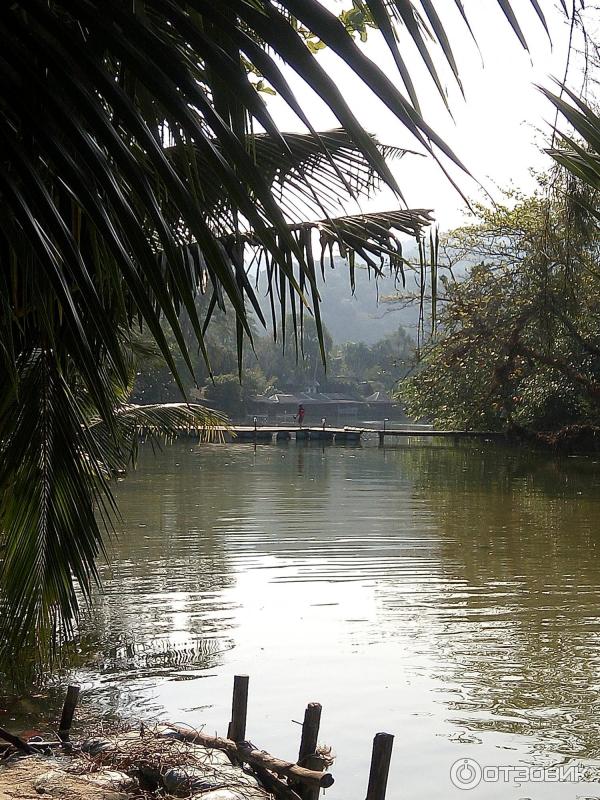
x,y
132,178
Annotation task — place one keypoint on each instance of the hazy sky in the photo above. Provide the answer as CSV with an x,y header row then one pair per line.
x,y
497,130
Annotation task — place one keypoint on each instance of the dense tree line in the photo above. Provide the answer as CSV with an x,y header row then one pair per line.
x,y
517,344
270,366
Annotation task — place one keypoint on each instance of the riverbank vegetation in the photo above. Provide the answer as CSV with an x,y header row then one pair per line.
x,y
356,369
517,344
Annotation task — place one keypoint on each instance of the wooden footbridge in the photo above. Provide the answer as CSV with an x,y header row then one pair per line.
x,y
324,433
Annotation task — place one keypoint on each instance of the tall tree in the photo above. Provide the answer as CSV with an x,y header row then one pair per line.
x,y
518,337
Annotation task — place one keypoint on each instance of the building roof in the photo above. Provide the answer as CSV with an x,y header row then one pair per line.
x,y
306,399
379,397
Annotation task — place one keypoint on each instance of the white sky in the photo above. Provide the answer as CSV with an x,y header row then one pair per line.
x,y
497,131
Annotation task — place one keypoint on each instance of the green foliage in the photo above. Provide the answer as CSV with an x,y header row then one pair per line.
x,y
353,368
358,19
154,381
296,362
383,363
227,393
57,464
518,342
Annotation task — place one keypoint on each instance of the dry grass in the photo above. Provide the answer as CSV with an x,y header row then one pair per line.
x,y
146,755
150,753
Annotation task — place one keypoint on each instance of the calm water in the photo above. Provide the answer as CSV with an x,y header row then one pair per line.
x,y
447,594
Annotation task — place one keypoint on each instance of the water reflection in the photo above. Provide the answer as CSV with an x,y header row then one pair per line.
x,y
446,593
517,626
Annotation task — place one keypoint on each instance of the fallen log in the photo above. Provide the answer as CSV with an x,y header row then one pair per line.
x,y
16,742
244,751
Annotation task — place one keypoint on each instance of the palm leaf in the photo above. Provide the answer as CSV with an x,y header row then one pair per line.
x,y
580,156
373,237
58,462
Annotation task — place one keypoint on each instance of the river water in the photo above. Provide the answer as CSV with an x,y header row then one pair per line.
x,y
446,593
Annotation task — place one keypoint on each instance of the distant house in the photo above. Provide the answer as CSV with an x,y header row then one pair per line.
x,y
381,403
377,398
324,404
317,404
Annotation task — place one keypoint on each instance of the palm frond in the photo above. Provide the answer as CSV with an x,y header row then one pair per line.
x,y
310,176
57,467
578,153
94,184
374,237
50,485
168,420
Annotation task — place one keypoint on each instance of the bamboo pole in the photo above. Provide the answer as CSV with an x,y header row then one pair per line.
x,y
380,766
247,753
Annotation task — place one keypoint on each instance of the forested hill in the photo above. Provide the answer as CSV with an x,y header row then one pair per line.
x,y
363,316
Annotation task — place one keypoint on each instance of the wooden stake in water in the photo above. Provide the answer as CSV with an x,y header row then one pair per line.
x,y
380,766
308,746
239,708
68,711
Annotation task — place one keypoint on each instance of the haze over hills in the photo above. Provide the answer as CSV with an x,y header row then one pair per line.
x,y
364,316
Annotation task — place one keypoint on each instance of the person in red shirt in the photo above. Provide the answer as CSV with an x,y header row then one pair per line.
x,y
300,415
